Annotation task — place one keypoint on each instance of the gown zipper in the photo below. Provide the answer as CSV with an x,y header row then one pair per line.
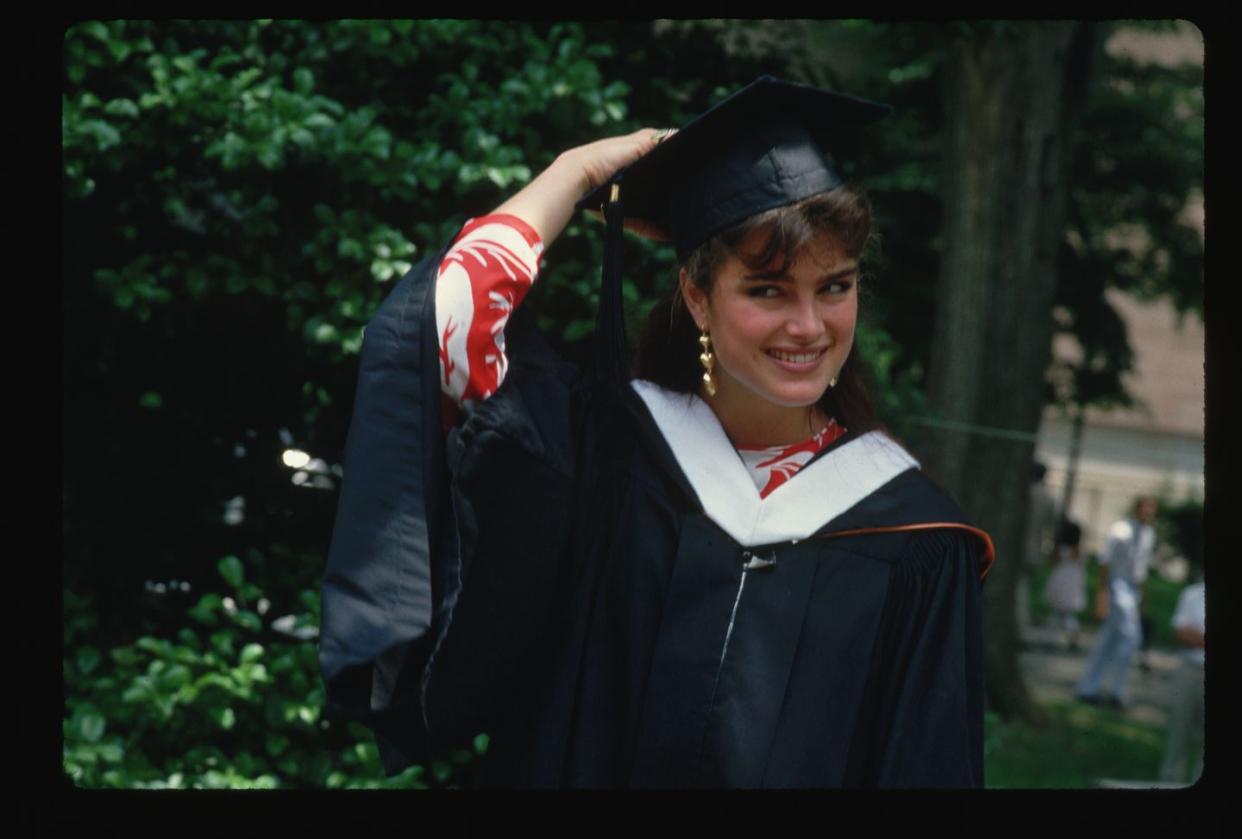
x,y
751,563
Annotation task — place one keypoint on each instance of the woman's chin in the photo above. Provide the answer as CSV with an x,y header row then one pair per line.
x,y
802,397
781,394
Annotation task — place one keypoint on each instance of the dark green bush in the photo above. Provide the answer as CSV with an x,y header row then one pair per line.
x,y
239,197
226,702
229,701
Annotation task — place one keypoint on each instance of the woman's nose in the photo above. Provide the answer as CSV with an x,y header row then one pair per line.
x,y
804,321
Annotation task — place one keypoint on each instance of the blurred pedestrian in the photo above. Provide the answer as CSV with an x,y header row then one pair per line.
x,y
1183,749
1040,521
1123,572
1066,589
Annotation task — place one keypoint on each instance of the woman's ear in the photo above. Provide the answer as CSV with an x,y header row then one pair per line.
x,y
696,299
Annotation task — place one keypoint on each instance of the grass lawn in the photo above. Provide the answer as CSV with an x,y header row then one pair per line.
x,y
1081,744
1078,746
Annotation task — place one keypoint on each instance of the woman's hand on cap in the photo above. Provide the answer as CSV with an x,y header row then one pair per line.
x,y
600,160
547,202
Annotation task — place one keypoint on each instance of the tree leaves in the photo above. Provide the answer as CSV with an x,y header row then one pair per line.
x,y
140,722
1140,168
88,724
88,659
230,568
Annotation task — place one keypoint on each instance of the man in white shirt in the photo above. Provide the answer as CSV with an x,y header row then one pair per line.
x,y
1123,571
1186,713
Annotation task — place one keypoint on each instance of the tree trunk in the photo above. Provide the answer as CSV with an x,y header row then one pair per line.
x,y
1013,95
1071,469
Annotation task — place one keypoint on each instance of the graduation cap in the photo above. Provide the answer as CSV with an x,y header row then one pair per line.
x,y
759,149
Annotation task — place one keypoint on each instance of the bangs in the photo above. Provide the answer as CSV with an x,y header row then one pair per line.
x,y
843,212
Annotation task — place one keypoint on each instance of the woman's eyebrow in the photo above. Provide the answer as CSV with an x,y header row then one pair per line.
x,y
842,274
783,276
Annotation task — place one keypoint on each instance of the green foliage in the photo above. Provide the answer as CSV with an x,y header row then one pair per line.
x,y
220,704
239,196
257,143
896,392
1159,602
1139,168
1180,525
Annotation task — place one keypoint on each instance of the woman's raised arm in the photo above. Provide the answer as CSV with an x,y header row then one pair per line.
x,y
547,202
495,259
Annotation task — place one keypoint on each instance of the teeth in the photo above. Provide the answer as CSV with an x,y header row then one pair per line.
x,y
796,358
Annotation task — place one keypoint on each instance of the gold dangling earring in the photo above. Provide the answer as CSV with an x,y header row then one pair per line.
x,y
708,361
832,382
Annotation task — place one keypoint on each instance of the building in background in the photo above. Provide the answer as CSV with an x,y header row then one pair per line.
x,y
1156,447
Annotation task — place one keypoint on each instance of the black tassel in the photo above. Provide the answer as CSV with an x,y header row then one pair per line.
x,y
611,347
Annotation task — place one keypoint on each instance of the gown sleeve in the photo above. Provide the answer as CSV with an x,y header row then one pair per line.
x,y
404,557
925,685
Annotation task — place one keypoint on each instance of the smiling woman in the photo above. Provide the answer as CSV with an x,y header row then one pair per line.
x,y
777,295
714,571
781,336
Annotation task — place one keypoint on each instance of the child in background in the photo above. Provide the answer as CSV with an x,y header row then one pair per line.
x,y
1065,591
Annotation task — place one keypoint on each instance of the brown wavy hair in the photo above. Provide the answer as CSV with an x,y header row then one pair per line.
x,y
668,351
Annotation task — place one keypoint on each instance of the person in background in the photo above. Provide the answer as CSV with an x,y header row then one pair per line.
x,y
1183,747
1119,593
1066,589
1040,522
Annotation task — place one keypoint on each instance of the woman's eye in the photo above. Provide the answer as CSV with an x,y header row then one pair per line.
x,y
774,291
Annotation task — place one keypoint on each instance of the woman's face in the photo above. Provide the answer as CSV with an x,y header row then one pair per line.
x,y
780,337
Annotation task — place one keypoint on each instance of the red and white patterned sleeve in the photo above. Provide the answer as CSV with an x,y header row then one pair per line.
x,y
482,279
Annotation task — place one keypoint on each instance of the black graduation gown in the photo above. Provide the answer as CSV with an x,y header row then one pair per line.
x,y
547,574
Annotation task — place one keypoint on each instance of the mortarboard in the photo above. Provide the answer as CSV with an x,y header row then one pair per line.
x,y
759,149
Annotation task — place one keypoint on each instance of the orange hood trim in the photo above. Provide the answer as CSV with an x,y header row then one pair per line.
x,y
989,550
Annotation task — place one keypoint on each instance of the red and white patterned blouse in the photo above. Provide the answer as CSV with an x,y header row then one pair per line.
x,y
772,466
484,276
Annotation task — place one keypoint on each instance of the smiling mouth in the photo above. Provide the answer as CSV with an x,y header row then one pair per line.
x,y
797,357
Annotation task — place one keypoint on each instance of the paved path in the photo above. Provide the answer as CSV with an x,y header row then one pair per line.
x,y
1052,672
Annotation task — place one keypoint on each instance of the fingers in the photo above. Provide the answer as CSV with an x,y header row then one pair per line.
x,y
603,158
663,134
647,139
651,137
630,147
